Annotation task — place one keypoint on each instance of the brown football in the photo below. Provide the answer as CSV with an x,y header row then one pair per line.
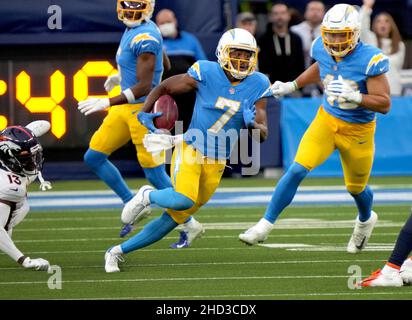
x,y
167,105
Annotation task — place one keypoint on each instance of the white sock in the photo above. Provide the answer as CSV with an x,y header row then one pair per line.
x,y
265,225
388,270
116,250
190,224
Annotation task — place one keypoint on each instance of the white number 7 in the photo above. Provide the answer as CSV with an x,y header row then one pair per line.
x,y
221,103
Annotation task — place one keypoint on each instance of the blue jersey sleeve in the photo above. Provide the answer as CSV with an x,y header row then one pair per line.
x,y
196,71
145,43
377,65
316,49
263,90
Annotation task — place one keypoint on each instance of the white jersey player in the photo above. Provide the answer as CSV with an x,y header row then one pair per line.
x,y
21,159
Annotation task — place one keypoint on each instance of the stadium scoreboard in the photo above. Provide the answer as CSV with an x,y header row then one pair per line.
x,y
50,90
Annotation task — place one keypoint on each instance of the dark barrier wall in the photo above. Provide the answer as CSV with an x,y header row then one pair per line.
x,y
95,21
393,153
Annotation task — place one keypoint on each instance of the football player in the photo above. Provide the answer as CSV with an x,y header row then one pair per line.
x,y
398,270
21,161
229,97
353,75
140,64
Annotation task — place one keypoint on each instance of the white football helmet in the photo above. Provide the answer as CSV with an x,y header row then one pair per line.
x,y
133,12
237,39
340,30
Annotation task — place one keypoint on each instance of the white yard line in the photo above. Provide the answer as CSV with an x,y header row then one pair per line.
x,y
191,264
178,279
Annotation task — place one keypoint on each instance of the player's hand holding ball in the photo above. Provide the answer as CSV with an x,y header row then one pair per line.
x,y
146,119
92,105
348,98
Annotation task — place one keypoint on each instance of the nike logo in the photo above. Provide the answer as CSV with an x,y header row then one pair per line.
x,y
362,142
361,244
145,45
14,189
381,69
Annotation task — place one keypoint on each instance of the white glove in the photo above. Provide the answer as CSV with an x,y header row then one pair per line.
x,y
39,127
156,143
38,264
348,98
111,82
280,88
92,105
44,185
7,147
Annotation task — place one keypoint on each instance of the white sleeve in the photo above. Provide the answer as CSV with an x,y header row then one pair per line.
x,y
366,34
6,243
397,59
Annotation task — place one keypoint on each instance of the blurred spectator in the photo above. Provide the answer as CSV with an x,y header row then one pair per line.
x,y
183,49
247,21
281,54
386,36
309,29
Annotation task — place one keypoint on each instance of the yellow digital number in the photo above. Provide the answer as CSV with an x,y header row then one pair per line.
x,y
3,90
45,104
89,70
221,103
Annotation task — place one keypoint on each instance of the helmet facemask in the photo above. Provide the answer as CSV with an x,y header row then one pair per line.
x,y
25,162
338,43
21,153
239,61
134,12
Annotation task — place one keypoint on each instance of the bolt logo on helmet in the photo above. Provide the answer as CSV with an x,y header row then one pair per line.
x,y
340,30
237,40
25,154
134,12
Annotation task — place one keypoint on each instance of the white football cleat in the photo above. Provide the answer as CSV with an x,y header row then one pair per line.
x,y
361,234
138,207
380,279
194,230
112,261
258,233
406,271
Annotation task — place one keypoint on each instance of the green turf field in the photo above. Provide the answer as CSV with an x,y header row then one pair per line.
x,y
312,264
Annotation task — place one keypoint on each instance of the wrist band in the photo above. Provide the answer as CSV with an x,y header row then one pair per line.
x,y
21,260
295,85
129,95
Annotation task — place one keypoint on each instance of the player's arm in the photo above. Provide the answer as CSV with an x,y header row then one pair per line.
x,y
378,97
260,121
166,62
178,84
144,73
7,245
309,76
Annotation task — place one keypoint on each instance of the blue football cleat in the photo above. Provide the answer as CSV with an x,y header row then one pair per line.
x,y
182,243
127,228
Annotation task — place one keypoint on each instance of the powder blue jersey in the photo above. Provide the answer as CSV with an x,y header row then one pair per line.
x,y
218,112
363,62
145,38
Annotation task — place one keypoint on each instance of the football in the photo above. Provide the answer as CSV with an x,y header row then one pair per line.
x,y
167,105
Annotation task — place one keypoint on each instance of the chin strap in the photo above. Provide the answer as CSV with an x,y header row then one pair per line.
x,y
44,185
